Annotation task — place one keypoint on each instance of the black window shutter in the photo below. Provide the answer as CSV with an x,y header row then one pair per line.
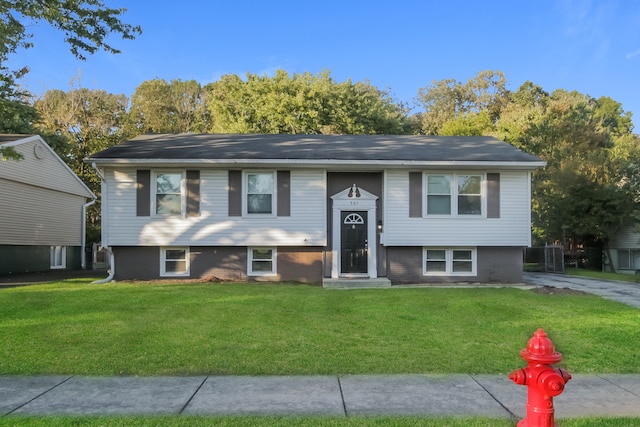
x,y
193,193
143,192
235,193
415,194
284,193
493,195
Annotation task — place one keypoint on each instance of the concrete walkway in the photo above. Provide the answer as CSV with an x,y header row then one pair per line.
x,y
343,396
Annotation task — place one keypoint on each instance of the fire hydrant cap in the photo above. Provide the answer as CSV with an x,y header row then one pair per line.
x,y
540,349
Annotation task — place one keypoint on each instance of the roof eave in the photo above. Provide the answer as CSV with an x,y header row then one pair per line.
x,y
321,163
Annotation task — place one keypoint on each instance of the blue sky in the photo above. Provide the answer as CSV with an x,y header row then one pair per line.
x,y
400,45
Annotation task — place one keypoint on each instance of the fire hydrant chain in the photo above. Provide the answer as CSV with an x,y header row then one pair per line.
x,y
543,381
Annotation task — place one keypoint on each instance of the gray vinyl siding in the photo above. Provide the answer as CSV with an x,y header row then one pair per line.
x,y
49,171
218,223
627,238
512,228
39,216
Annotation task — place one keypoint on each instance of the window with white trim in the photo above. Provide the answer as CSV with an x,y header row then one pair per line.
x,y
454,194
57,257
169,193
260,193
262,262
449,261
438,195
174,262
629,259
469,194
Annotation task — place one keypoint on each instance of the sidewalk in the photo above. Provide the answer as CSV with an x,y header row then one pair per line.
x,y
343,396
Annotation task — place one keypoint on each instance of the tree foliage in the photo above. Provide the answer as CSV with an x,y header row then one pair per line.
x,y
301,103
159,106
448,100
86,25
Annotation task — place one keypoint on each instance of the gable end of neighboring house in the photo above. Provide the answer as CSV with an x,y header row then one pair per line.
x,y
43,206
313,208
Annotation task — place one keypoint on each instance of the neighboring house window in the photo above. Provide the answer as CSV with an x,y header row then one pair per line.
x,y
628,259
457,195
169,193
262,262
58,257
174,261
260,195
448,261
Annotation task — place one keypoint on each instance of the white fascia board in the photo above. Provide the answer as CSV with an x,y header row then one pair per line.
x,y
303,163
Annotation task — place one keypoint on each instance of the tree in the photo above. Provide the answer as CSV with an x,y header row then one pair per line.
x,y
161,107
301,103
86,25
448,99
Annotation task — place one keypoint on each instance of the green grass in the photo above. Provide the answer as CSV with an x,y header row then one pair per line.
x,y
184,329
295,421
602,275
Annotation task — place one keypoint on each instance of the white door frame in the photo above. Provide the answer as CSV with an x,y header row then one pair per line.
x,y
354,199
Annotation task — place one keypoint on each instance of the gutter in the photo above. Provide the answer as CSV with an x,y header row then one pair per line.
x,y
326,163
112,263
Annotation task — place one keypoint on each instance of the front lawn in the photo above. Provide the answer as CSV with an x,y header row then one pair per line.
x,y
183,329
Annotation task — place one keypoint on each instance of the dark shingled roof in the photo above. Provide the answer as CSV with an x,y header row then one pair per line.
x,y
316,148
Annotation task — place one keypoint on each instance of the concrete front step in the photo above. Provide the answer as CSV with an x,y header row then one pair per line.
x,y
356,283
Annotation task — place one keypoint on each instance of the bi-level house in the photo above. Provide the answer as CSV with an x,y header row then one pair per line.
x,y
316,208
42,209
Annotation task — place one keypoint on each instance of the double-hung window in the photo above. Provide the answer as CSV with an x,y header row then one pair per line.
x,y
469,194
262,262
454,194
438,195
260,193
449,261
174,262
169,191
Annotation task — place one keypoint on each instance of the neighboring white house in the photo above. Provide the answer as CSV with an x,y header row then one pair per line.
x,y
42,209
310,208
625,250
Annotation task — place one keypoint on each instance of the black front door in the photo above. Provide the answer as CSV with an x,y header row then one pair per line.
x,y
353,243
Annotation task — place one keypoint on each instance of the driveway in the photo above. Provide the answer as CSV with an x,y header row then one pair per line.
x,y
624,292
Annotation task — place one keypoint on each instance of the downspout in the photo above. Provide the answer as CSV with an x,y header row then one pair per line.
x,y
112,264
83,235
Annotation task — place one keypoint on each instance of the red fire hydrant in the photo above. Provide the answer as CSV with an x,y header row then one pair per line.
x,y
542,380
